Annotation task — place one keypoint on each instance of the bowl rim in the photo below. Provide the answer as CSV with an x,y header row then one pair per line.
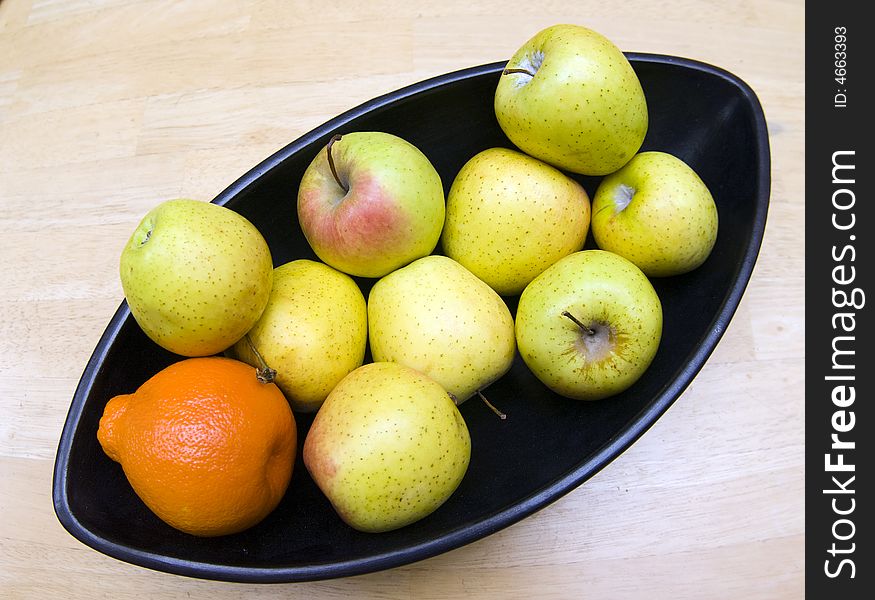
x,y
461,535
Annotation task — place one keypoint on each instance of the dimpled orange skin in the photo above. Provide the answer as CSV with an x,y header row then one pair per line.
x,y
206,446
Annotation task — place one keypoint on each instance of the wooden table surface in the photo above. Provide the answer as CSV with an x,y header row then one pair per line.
x,y
109,106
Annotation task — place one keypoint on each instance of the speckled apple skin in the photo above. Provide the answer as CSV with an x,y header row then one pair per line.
x,y
584,110
196,276
596,287
669,226
510,216
388,447
313,331
437,317
392,214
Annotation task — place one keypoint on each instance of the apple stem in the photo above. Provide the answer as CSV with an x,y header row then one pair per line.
x,y
577,322
517,70
147,236
335,138
263,373
500,414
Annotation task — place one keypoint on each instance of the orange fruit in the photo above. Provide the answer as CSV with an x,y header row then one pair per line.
x,y
206,446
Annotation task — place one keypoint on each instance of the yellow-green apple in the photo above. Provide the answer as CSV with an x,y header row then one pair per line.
x,y
435,316
370,202
196,276
388,447
657,212
589,326
571,98
313,332
510,216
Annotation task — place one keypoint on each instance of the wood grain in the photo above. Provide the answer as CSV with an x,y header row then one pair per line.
x,y
109,106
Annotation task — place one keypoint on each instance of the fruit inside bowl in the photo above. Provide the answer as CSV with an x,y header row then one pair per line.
x,y
546,447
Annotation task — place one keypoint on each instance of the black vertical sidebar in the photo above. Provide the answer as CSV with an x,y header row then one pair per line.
x,y
839,433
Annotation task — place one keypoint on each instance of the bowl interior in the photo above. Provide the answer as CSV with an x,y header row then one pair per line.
x,y
546,446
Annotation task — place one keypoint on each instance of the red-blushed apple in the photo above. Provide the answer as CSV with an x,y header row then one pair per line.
x,y
370,202
388,447
656,212
589,326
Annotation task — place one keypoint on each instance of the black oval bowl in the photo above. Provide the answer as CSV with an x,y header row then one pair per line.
x,y
547,446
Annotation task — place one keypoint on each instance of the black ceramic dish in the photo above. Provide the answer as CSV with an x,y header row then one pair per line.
x,y
546,447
